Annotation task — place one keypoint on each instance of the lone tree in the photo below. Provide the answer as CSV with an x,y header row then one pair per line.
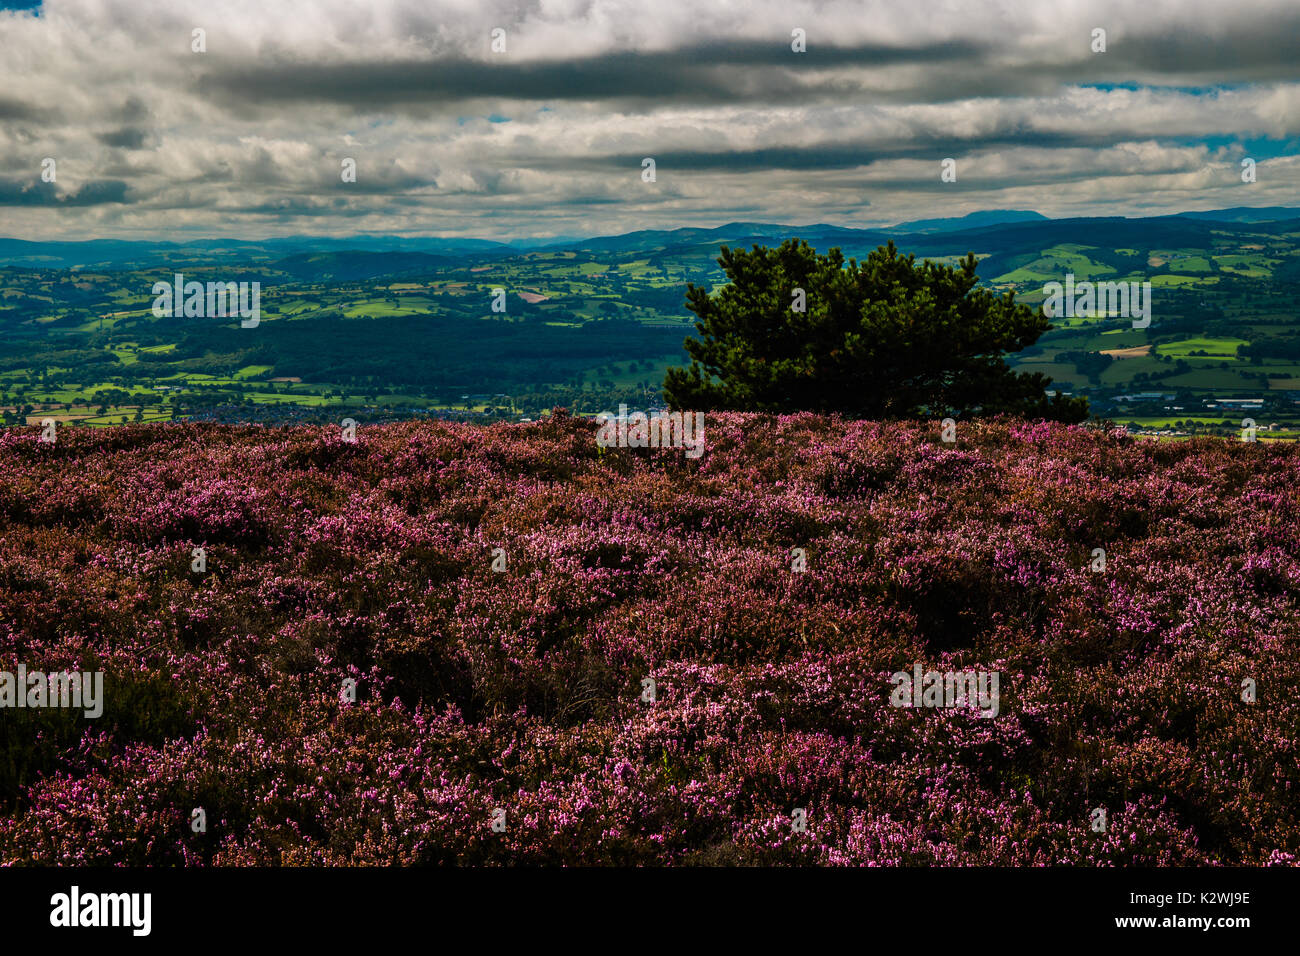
x,y
884,338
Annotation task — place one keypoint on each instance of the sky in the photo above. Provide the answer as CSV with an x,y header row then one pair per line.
x,y
247,139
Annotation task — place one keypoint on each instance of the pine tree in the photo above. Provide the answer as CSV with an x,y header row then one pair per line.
x,y
884,338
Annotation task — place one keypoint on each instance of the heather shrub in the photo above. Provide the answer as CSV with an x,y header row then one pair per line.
x,y
766,591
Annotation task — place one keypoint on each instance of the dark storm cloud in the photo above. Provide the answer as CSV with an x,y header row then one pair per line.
x,y
17,110
28,193
97,193
306,208
713,73
830,156
37,193
125,138
1247,53
739,72
132,110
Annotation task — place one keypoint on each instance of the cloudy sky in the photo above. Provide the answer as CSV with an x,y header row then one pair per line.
x,y
153,140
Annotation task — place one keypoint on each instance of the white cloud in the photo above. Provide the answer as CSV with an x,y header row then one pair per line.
x,y
740,126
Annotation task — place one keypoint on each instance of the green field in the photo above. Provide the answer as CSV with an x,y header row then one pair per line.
x,y
1213,348
369,333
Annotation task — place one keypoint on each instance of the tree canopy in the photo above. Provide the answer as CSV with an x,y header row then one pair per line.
x,y
882,338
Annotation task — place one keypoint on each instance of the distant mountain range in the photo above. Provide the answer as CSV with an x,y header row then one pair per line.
x,y
924,236
973,220
1248,214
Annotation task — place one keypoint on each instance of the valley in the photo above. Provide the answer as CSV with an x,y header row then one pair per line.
x,y
383,329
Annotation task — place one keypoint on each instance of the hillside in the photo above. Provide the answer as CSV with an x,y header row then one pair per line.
x,y
521,689
382,327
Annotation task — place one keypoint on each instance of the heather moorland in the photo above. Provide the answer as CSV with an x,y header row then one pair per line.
x,y
666,658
